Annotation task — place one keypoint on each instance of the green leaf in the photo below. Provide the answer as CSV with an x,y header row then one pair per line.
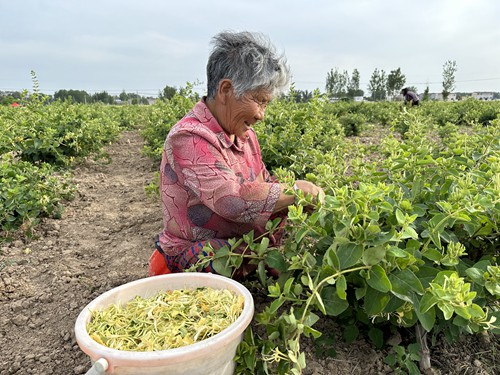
x,y
432,254
394,304
463,312
351,333
447,310
222,252
308,331
276,304
306,280
360,291
376,335
375,301
275,259
378,279
397,252
334,306
390,359
313,218
341,286
301,233
427,316
404,282
426,275
297,289
373,255
331,258
261,272
476,275
248,237
349,255
264,243
220,266
400,217
438,222
310,319
409,232
412,368
288,286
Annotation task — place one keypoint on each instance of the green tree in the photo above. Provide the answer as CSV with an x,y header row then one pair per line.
x,y
103,97
123,96
426,94
77,96
9,97
167,93
353,86
337,83
302,96
377,85
395,82
449,70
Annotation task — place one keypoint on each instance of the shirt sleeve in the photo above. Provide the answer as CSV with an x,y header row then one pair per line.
x,y
202,168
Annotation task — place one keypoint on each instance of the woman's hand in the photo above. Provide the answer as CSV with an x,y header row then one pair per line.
x,y
308,188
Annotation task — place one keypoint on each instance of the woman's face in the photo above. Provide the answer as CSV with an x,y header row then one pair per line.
x,y
240,114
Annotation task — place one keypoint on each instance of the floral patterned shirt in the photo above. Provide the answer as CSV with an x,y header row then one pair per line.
x,y
212,187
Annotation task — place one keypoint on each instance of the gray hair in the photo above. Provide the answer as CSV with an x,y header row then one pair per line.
x,y
250,61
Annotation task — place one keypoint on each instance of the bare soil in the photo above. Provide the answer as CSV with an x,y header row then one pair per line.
x,y
103,240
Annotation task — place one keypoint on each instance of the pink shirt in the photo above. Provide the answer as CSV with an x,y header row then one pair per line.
x,y
211,187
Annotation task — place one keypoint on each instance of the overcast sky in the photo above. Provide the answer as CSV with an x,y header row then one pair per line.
x,y
142,46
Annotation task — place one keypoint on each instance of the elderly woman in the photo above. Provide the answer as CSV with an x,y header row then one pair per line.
x,y
214,185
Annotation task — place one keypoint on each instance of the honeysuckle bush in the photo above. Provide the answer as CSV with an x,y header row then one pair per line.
x,y
28,192
39,142
59,133
411,239
464,112
288,124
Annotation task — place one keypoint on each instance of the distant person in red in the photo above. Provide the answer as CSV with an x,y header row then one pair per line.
x,y
410,97
213,183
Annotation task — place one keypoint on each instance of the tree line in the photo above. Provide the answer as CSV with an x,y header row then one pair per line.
x,y
339,85
382,86
82,96
76,96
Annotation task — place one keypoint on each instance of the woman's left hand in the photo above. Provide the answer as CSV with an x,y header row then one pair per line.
x,y
309,188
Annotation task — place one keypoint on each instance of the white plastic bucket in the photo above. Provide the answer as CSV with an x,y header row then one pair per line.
x,y
214,355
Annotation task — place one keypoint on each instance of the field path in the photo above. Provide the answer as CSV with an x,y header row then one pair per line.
x,y
103,239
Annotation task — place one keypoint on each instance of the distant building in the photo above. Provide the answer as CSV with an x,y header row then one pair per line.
x,y
439,96
483,95
435,96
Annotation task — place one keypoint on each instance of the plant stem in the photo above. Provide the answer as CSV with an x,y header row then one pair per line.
x,y
425,356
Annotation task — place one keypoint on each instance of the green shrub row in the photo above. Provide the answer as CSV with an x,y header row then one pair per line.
x,y
38,143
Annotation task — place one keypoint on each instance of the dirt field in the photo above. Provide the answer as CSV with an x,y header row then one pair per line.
x,y
103,240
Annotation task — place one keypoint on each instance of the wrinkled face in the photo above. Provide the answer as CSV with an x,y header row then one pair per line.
x,y
242,113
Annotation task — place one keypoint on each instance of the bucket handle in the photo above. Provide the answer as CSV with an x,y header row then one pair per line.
x,y
98,368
